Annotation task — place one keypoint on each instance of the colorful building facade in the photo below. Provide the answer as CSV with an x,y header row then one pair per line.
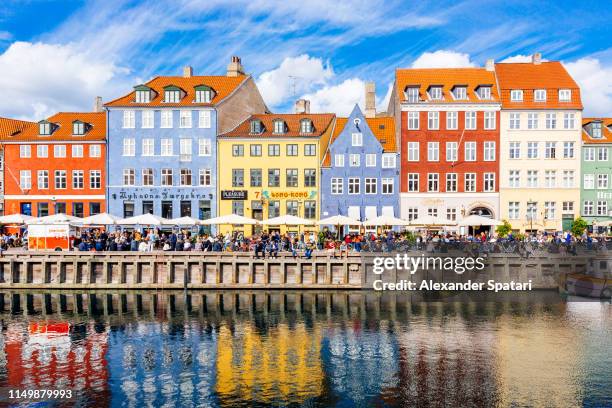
x,y
359,172
57,166
162,141
541,135
8,129
271,166
596,184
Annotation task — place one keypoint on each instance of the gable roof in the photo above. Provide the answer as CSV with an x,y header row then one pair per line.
x,y
527,76
320,121
63,132
447,78
606,131
10,127
223,86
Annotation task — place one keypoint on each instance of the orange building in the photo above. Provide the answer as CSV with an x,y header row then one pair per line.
x,y
57,166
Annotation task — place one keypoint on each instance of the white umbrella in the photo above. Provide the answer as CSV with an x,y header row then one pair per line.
x,y
431,221
187,221
288,220
15,219
385,220
478,220
101,219
143,219
55,219
338,220
232,219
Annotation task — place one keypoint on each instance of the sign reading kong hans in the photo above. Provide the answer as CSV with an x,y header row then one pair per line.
x,y
234,194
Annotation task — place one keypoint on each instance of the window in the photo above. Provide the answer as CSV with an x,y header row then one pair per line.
x,y
433,180
452,120
532,150
237,177
432,211
43,179
470,120
95,179
61,179
602,181
602,207
489,182
292,150
551,121
204,119
337,185
238,207
568,178
185,149
550,178
44,128
256,126
451,214
148,147
370,185
568,207
25,151
172,96
274,150
204,147
129,147
42,151
129,119
513,210
532,178
292,208
565,95
203,95
460,92
602,154
166,119
413,151
569,121
143,96
205,177
433,151
589,154
279,126
129,177
147,119
489,151
306,127
339,160
310,209
515,121
273,177
273,209
387,185
435,92
413,213
256,176
185,119
25,179
147,177
550,150
532,210
532,120
589,181
310,177
568,150
78,179
514,178
412,94
357,139
451,151
237,150
59,151
166,177
310,150
186,177
95,150
596,130
255,150
292,178
587,207
433,120
388,161
353,185
354,160
413,120
540,95
516,95
489,121
167,147
413,182
78,128
470,182
451,182
484,92
370,160
470,151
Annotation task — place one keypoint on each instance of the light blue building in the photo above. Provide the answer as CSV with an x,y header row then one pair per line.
x,y
359,172
162,155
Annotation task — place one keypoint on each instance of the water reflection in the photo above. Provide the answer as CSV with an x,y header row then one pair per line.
x,y
303,348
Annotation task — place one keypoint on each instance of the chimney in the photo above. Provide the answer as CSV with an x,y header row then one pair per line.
x,y
370,100
187,71
302,106
98,104
234,68
490,65
536,58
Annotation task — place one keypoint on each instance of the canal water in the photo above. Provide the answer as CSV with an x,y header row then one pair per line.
x,y
344,349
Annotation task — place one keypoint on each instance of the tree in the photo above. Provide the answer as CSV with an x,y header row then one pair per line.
x,y
578,226
504,229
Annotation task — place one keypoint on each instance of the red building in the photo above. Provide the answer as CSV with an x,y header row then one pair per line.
x,y
449,131
57,166
8,129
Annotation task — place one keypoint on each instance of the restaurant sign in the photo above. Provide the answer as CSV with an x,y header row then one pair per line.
x,y
234,195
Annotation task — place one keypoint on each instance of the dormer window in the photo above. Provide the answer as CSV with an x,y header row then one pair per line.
x,y
596,130
435,92
172,94
203,94
565,95
516,95
460,92
306,126
143,94
484,92
412,94
539,95
44,128
256,126
279,126
78,128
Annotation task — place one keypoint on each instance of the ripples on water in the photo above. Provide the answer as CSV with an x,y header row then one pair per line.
x,y
304,348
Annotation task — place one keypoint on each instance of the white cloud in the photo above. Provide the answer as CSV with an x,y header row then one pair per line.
x,y
339,99
443,59
518,58
39,79
595,81
295,75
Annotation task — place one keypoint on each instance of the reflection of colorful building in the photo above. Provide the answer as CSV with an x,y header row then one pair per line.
x,y
271,165
8,128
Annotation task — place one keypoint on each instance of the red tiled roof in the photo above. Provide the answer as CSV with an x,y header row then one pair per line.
x,y
527,76
606,131
223,86
10,127
320,121
63,132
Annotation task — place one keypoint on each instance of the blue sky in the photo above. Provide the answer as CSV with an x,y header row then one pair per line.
x,y
58,55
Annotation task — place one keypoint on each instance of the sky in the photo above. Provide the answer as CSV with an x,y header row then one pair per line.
x,y
59,55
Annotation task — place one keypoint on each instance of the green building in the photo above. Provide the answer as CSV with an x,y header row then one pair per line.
x,y
596,191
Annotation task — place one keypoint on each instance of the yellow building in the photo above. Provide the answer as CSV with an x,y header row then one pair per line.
x,y
269,166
